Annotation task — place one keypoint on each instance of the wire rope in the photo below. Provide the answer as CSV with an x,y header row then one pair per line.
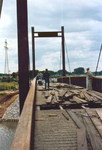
x,y
68,63
98,60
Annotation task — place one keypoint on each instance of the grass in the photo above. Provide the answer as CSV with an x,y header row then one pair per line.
x,y
8,85
3,93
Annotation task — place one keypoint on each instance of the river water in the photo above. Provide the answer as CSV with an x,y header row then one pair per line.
x,y
8,128
7,131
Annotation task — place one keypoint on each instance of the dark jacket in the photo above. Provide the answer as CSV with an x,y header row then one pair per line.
x,y
46,75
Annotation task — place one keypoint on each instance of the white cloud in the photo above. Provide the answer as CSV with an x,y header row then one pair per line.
x,y
82,21
50,61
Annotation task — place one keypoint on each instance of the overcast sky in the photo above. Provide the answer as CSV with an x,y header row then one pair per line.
x,y
82,21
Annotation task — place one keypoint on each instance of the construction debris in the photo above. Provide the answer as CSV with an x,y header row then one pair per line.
x,y
70,94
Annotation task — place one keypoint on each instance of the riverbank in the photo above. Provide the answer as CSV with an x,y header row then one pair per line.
x,y
6,100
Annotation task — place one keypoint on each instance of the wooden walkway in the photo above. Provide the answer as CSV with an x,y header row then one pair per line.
x,y
54,132
60,119
68,129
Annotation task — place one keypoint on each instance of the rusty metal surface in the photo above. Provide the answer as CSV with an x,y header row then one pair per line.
x,y
81,81
75,80
97,84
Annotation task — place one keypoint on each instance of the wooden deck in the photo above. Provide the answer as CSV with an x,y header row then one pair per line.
x,y
60,119
54,132
66,129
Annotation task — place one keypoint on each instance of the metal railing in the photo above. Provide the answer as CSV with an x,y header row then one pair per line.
x,y
81,81
75,80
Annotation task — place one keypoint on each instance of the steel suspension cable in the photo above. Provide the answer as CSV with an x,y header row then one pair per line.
x,y
68,63
60,64
98,59
60,60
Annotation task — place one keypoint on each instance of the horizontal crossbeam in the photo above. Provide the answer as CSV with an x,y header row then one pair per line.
x,y
47,34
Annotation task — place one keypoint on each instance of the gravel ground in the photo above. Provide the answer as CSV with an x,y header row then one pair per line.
x,y
12,111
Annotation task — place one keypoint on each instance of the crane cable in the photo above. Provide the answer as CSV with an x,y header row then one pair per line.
x,y
68,63
60,60
60,64
98,60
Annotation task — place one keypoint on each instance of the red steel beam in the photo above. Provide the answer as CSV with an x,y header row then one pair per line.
x,y
23,50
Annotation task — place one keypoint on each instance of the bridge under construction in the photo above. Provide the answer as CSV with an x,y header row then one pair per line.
x,y
63,117
67,116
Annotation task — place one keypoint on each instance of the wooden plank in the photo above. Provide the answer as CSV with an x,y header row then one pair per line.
x,y
93,94
76,120
75,99
61,107
49,99
68,94
98,93
94,118
81,139
55,99
25,130
94,138
63,92
65,116
82,95
53,92
52,115
72,100
87,97
79,100
99,112
84,115
75,91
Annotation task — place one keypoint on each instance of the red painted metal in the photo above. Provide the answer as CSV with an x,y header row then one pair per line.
x,y
81,81
1,2
97,84
33,51
75,80
63,51
48,34
23,51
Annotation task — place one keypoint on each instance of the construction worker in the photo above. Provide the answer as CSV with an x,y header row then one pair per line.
x,y
39,77
90,78
46,77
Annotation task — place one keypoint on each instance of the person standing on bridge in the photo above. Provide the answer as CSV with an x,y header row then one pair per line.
x,y
39,75
46,77
90,78
39,78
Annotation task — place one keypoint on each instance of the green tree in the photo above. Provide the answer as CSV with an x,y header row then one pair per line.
x,y
79,70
